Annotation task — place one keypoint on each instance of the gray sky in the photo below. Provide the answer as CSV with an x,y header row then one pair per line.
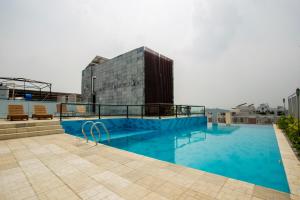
x,y
224,52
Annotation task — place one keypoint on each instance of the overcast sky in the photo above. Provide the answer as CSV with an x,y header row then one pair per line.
x,y
225,52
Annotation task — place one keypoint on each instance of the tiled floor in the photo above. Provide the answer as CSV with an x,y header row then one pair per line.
x,y
63,167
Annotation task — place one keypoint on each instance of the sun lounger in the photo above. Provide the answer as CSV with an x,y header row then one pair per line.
x,y
16,112
81,109
64,109
40,112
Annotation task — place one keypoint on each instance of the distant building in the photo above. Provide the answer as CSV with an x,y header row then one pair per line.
x,y
280,110
263,108
293,105
244,109
140,76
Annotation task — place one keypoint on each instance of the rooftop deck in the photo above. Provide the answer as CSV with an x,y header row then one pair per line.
x,y
63,167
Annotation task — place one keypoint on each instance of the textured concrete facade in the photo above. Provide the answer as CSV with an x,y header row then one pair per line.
x,y
117,81
138,77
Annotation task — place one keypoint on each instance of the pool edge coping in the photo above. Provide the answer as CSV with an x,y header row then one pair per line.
x,y
290,162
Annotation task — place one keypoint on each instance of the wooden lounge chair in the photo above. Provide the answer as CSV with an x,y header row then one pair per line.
x,y
64,109
16,112
40,112
81,109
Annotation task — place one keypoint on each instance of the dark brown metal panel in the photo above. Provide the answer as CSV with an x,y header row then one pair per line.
x,y
158,78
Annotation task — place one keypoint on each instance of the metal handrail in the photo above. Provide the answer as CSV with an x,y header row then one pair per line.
x,y
82,129
99,133
105,129
92,134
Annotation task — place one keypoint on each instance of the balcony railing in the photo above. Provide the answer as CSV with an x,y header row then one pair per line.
x,y
158,110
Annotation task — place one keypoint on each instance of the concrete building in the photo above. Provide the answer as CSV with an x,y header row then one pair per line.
x,y
140,76
293,107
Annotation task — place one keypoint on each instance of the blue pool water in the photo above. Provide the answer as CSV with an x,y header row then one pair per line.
x,y
244,152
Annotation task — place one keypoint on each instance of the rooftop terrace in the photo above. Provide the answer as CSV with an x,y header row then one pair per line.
x,y
64,167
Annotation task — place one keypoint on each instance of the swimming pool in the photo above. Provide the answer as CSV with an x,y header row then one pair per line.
x,y
244,152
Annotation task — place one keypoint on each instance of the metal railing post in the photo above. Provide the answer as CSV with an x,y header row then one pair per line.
x,y
60,112
99,111
142,111
127,111
204,110
176,110
159,111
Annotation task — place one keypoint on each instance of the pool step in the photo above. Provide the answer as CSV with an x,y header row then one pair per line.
x,y
20,130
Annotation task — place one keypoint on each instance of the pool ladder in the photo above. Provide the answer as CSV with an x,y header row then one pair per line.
x,y
94,126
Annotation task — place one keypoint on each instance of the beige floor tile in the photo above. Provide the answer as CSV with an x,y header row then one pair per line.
x,y
133,192
153,196
78,181
207,188
239,186
4,165
150,182
175,168
4,149
135,164
134,175
185,181
61,193
294,197
121,170
44,183
193,195
98,191
265,193
170,190
111,180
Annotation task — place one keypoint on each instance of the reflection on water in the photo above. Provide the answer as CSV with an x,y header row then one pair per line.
x,y
190,137
183,138
221,129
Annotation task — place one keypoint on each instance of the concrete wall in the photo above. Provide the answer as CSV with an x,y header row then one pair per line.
x,y
118,81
